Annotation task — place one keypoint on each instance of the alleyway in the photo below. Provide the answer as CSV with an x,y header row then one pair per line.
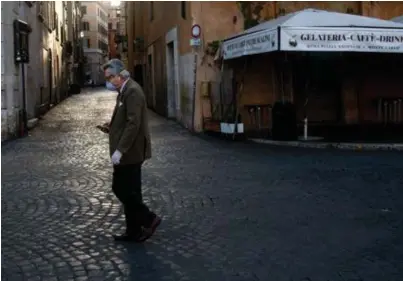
x,y
232,211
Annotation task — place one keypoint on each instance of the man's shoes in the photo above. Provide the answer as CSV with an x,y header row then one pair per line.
x,y
148,232
128,238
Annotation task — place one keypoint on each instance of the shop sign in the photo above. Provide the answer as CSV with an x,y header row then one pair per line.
x,y
341,39
250,44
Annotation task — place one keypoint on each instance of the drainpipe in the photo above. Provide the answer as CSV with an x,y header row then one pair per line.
x,y
194,90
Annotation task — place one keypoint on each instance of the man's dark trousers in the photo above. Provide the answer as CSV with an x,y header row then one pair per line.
x,y
126,185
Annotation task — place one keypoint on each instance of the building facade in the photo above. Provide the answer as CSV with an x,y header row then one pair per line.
x,y
161,57
95,39
122,31
76,59
36,86
117,31
181,81
113,27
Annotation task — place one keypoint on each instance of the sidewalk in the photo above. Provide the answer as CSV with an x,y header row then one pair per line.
x,y
336,145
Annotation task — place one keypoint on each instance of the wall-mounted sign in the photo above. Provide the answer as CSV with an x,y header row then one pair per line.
x,y
196,31
255,43
341,39
194,42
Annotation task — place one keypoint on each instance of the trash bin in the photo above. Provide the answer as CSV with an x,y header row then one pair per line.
x,y
284,120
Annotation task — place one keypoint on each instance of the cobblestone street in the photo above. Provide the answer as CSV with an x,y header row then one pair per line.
x,y
231,211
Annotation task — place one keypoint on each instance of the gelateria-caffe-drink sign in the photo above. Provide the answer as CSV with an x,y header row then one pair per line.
x,y
341,40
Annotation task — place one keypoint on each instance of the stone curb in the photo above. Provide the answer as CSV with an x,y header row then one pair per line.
x,y
322,145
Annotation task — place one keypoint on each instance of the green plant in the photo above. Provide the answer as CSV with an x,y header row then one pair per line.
x,y
251,13
212,47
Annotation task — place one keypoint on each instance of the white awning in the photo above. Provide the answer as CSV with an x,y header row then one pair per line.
x,y
316,30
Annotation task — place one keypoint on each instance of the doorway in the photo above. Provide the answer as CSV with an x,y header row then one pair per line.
x,y
138,74
47,78
151,96
171,79
57,80
172,74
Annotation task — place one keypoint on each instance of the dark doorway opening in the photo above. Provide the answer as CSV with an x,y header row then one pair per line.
x,y
50,76
138,74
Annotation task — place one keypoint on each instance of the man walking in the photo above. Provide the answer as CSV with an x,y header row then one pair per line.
x,y
130,146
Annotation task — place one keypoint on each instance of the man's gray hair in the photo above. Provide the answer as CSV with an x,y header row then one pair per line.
x,y
116,67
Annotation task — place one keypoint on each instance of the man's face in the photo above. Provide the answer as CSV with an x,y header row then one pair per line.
x,y
116,80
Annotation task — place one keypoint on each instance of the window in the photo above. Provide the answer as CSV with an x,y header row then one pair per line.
x,y
151,11
63,34
86,26
118,26
52,15
103,46
110,25
183,9
83,10
102,15
57,26
102,30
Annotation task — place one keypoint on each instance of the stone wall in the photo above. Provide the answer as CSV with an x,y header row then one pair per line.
x,y
187,88
37,82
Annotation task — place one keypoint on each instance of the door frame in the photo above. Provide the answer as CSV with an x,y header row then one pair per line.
x,y
173,104
151,52
50,75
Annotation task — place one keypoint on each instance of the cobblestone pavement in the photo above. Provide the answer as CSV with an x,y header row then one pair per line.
x,y
232,211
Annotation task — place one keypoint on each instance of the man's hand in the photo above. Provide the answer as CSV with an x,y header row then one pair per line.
x,y
116,156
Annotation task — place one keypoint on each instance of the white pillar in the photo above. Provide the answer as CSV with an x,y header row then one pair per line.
x,y
305,128
10,76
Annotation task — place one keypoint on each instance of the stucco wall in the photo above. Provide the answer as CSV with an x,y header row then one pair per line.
x,y
36,75
382,9
216,20
186,82
12,74
335,6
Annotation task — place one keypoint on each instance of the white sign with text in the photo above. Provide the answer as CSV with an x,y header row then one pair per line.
x,y
250,44
341,39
